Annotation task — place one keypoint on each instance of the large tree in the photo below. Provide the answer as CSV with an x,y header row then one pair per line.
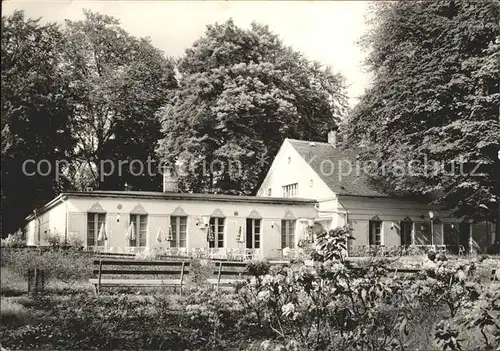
x,y
241,93
117,84
34,116
435,96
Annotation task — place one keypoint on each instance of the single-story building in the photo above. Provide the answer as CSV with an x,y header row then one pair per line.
x,y
132,221
338,181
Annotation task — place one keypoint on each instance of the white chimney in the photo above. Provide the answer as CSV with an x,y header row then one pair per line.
x,y
170,181
332,138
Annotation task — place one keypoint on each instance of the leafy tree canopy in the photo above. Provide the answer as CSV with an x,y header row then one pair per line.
x,y
435,95
241,93
35,115
84,93
117,84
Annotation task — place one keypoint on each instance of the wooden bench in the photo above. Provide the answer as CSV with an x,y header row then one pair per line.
x,y
108,267
224,270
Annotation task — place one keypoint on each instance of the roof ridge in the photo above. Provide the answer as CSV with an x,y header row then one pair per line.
x,y
310,141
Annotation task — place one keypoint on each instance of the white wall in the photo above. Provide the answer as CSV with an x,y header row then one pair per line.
x,y
159,212
51,222
363,209
29,232
57,220
297,171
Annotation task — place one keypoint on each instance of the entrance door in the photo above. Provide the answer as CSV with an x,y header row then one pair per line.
x,y
406,229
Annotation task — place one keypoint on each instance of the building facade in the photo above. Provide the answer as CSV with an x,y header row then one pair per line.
x,y
310,187
105,220
338,181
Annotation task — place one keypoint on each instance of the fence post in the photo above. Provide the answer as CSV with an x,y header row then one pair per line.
x,y
35,289
42,280
29,281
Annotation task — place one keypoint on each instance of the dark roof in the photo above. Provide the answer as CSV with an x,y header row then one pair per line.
x,y
151,195
332,166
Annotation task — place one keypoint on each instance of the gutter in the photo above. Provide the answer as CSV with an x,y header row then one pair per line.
x,y
194,197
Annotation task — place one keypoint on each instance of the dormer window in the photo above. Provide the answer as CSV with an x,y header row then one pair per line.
x,y
290,190
269,192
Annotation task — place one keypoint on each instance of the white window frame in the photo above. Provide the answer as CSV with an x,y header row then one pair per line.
x,y
288,227
290,190
252,227
97,227
381,234
138,235
175,227
215,228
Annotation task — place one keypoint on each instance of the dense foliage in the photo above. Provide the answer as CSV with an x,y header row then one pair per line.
x,y
117,84
241,93
434,100
74,96
66,266
332,244
35,115
329,306
14,240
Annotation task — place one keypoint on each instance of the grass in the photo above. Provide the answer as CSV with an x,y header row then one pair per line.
x,y
13,312
11,283
19,312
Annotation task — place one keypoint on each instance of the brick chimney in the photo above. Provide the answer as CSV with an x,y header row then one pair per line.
x,y
332,138
170,180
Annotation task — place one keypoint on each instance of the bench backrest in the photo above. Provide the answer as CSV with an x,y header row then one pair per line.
x,y
227,268
108,266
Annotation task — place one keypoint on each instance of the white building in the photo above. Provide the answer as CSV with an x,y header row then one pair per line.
x,y
175,221
335,178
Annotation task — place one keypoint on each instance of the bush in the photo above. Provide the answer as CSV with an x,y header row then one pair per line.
x,y
57,240
331,306
258,268
213,313
13,313
14,240
67,266
200,270
331,245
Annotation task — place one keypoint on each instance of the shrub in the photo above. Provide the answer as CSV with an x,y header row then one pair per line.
x,y
200,270
214,313
331,245
258,268
57,240
67,266
14,240
329,306
13,313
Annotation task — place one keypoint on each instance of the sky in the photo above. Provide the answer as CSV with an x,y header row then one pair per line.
x,y
325,31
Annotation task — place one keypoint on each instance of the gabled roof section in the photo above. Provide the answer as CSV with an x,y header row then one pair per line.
x,y
332,166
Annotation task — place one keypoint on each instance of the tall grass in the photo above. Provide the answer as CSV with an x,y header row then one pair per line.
x,y
13,313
